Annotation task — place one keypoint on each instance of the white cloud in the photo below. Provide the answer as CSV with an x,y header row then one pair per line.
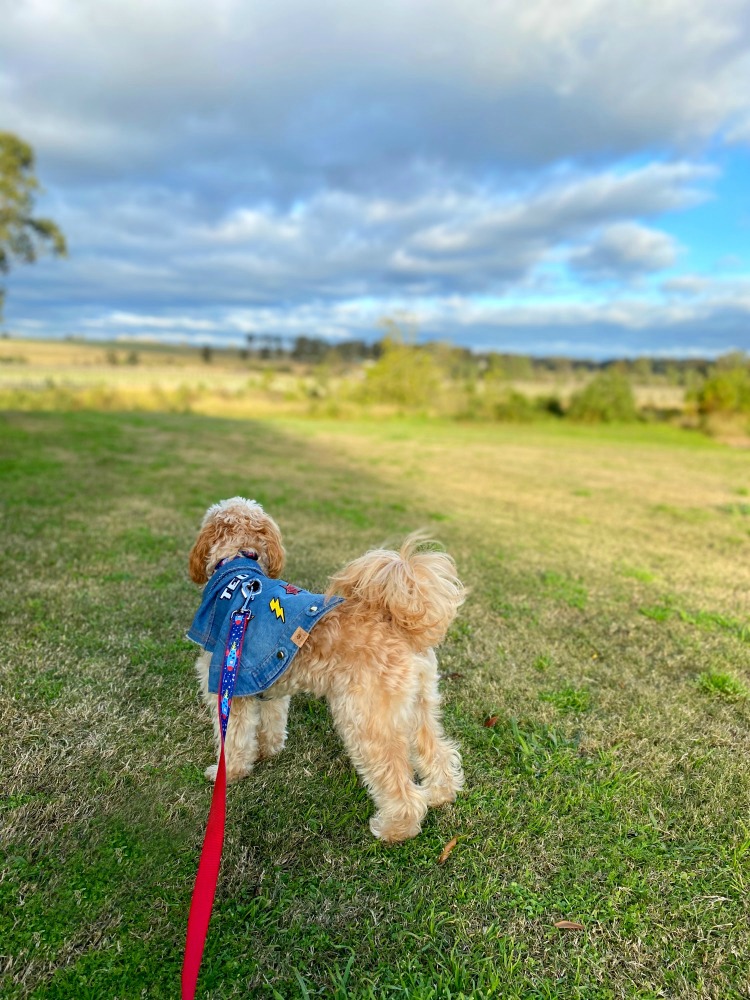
x,y
686,284
625,250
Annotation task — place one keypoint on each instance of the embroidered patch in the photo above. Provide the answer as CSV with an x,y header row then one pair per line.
x,y
300,637
276,608
291,589
233,585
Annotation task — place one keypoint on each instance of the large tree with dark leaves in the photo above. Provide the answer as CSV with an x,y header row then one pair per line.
x,y
22,236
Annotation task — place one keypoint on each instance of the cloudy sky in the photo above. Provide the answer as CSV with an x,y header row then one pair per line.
x,y
526,175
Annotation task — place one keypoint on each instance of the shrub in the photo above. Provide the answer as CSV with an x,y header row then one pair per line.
x,y
727,390
606,399
404,374
514,406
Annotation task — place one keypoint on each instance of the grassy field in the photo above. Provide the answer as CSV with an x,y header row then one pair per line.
x,y
607,633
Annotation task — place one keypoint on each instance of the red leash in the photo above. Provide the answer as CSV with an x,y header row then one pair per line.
x,y
204,891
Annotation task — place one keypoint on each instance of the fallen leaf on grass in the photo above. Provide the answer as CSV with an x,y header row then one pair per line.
x,y
492,721
445,854
454,676
568,925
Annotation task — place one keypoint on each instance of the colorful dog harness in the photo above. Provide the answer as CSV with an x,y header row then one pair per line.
x,y
247,659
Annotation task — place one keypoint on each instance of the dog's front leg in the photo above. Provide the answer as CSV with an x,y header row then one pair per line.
x,y
241,743
272,727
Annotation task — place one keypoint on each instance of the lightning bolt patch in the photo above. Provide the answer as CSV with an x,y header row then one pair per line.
x,y
276,608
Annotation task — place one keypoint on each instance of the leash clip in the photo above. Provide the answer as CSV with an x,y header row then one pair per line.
x,y
250,590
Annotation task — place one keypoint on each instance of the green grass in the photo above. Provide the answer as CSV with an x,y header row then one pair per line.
x,y
568,699
612,790
721,685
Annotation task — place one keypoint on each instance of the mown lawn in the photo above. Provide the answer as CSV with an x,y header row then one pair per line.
x,y
608,631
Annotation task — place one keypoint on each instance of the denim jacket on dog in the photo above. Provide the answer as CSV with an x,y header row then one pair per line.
x,y
282,617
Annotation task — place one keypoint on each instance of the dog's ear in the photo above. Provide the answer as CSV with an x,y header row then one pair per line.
x,y
199,553
270,535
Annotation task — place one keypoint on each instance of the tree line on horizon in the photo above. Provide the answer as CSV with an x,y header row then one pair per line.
x,y
463,361
398,371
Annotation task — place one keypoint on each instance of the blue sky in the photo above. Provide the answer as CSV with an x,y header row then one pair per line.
x,y
521,176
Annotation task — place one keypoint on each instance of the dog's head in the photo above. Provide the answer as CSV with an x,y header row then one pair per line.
x,y
231,526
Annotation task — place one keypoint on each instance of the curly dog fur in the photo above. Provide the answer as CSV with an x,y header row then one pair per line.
x,y
371,657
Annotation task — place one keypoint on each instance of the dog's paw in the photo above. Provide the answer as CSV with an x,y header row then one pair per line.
x,y
238,775
269,746
443,784
232,775
440,795
392,831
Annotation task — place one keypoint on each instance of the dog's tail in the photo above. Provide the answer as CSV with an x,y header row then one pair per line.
x,y
417,587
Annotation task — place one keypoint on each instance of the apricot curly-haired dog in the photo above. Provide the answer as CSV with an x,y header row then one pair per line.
x,y
370,655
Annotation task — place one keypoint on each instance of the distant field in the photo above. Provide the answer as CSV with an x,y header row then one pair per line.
x,y
607,632
77,364
79,353
149,377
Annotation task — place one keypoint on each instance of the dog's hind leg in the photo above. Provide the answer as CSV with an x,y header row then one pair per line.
x,y
377,741
272,728
437,760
